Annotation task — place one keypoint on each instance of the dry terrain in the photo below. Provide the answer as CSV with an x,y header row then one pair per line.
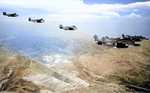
x,y
22,74
94,69
126,67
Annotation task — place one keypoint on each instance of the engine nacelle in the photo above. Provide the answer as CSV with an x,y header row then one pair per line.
x,y
4,13
61,26
121,45
29,19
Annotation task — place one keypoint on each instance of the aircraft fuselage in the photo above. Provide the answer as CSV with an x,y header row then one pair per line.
x,y
10,15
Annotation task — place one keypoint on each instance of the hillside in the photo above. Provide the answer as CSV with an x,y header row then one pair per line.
x,y
94,69
126,67
22,74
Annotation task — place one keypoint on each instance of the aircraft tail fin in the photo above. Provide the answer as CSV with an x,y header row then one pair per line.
x,y
95,38
61,26
4,13
29,19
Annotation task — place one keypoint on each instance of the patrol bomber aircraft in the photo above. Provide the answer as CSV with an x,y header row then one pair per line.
x,y
106,41
37,20
115,42
68,27
10,15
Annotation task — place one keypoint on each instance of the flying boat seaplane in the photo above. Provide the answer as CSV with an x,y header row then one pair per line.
x,y
68,27
10,15
37,20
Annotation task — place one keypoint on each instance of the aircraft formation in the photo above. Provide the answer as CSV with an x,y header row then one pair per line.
x,y
122,42
41,21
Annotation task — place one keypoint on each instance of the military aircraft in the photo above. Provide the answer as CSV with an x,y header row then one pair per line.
x,y
132,38
106,41
10,15
115,42
68,27
37,20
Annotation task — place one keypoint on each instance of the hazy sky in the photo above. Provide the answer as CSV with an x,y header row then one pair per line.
x,y
112,1
101,17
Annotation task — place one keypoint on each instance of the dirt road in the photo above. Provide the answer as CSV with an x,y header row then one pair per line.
x,y
128,67
94,69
